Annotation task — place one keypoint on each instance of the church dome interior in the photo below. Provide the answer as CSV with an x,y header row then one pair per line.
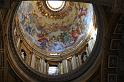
x,y
61,40
57,36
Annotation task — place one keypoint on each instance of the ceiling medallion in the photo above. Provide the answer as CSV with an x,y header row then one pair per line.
x,y
54,9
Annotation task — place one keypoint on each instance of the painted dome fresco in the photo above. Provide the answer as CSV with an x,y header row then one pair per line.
x,y
56,28
55,37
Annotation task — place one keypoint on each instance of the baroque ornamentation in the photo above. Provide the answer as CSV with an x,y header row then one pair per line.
x,y
45,11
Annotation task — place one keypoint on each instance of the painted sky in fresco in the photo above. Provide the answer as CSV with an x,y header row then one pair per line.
x,y
55,35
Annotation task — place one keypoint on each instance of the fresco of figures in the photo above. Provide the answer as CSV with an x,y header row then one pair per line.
x,y
54,37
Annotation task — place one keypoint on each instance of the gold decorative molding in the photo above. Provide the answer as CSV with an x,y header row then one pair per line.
x,y
45,11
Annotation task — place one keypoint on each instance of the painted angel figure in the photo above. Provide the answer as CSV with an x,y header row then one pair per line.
x,y
82,11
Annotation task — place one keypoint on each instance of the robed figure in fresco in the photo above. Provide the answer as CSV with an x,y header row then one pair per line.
x,y
42,38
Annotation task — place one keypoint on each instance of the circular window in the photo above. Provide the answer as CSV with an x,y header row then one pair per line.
x,y
55,5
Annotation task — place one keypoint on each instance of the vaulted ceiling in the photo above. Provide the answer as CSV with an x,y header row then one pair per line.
x,y
111,64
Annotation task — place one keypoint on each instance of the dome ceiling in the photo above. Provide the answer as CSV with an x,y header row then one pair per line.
x,y
55,29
